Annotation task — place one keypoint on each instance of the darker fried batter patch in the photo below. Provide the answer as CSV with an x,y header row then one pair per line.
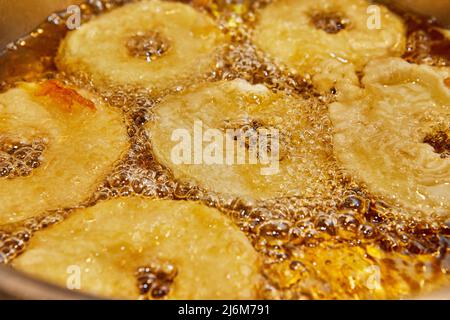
x,y
64,96
447,82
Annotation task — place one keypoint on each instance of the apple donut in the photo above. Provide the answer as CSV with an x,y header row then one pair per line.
x,y
152,249
56,143
305,34
395,136
242,140
153,45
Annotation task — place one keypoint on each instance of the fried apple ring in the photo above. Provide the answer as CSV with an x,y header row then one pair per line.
x,y
224,160
55,144
395,136
305,34
150,44
139,248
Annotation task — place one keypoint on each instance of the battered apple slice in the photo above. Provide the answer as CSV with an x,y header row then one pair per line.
x,y
306,34
139,248
149,44
243,140
56,144
395,136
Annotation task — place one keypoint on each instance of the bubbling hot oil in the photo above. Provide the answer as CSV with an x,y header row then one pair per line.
x,y
18,159
345,243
